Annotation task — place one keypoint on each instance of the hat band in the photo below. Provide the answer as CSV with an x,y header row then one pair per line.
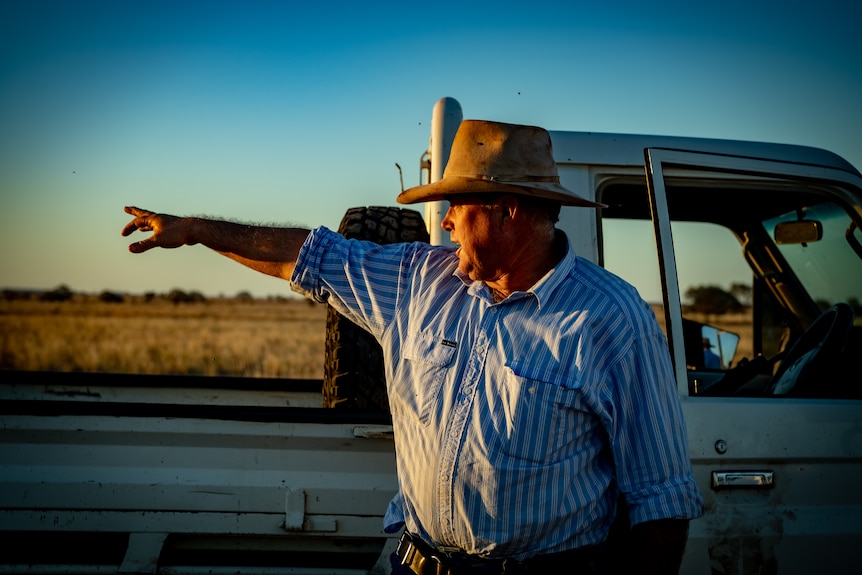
x,y
512,178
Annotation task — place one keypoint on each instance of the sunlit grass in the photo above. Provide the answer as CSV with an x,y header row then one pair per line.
x,y
282,338
250,338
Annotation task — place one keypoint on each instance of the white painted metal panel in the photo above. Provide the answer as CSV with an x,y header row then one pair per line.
x,y
241,482
808,520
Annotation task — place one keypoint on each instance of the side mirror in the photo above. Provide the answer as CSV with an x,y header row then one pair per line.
x,y
799,232
719,347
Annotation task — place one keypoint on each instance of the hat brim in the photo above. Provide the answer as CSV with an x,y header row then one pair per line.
x,y
456,185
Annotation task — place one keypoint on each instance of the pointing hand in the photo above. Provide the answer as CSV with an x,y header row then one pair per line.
x,y
168,231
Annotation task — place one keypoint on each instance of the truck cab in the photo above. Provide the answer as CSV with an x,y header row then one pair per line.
x,y
774,421
764,426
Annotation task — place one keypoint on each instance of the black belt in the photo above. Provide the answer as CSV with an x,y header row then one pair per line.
x,y
422,559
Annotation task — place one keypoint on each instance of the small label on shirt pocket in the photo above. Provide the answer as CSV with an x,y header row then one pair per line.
x,y
542,415
428,358
430,349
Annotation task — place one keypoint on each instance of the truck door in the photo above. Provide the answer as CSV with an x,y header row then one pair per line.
x,y
779,469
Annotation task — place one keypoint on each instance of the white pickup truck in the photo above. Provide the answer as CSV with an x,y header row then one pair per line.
x,y
105,473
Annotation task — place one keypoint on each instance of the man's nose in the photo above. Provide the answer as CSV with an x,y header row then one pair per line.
x,y
446,224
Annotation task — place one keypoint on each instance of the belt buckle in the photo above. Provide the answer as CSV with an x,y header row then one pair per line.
x,y
404,546
407,551
440,568
418,562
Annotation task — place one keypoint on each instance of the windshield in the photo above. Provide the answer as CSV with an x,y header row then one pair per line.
x,y
828,267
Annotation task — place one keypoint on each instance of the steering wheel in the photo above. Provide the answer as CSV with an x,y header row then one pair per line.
x,y
819,345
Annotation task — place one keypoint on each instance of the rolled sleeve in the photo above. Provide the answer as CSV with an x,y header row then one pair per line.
x,y
361,280
650,439
305,279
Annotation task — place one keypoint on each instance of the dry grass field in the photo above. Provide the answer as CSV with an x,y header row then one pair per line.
x,y
281,338
251,338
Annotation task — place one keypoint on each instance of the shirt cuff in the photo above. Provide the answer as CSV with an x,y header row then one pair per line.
x,y
671,500
393,520
306,272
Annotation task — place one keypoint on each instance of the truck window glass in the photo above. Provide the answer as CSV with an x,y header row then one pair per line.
x,y
829,266
715,283
757,264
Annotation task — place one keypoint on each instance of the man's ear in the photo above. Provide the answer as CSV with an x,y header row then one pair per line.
x,y
509,206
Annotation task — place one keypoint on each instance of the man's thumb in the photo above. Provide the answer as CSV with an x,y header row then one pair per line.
x,y
141,246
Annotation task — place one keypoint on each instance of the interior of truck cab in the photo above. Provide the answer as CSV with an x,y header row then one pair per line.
x,y
770,281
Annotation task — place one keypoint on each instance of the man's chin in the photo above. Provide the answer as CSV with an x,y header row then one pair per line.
x,y
466,270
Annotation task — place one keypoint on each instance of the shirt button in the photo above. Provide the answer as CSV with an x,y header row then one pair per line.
x,y
492,310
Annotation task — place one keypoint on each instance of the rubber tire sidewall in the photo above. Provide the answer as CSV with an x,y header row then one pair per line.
x,y
354,375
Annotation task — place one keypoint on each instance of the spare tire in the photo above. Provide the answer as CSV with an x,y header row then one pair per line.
x,y
353,374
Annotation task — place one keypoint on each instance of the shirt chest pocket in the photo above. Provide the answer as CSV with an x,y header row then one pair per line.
x,y
427,359
543,418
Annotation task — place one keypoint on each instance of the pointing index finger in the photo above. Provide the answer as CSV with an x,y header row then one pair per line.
x,y
136,211
139,223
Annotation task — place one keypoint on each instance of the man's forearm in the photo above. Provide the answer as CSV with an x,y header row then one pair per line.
x,y
269,250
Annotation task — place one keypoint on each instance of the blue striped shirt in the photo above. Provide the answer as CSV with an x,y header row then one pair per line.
x,y
516,423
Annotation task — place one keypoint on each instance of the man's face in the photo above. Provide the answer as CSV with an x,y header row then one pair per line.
x,y
476,227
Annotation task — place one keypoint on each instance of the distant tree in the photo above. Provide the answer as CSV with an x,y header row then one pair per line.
x,y
244,296
59,293
712,300
196,297
16,295
741,292
178,296
110,297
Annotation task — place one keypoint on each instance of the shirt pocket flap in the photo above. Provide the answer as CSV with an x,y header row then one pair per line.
x,y
429,349
553,375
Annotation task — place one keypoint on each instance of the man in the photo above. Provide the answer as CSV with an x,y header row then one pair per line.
x,y
529,388
710,358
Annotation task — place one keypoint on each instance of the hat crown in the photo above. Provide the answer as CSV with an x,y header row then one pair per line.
x,y
493,157
501,152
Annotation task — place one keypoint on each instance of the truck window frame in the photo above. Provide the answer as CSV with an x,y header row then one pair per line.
x,y
659,163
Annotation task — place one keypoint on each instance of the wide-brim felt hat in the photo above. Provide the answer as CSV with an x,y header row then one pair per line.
x,y
493,157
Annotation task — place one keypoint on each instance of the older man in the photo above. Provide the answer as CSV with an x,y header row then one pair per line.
x,y
530,389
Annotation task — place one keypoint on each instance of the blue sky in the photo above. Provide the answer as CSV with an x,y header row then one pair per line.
x,y
292,112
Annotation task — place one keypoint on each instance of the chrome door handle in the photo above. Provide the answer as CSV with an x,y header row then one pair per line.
x,y
742,479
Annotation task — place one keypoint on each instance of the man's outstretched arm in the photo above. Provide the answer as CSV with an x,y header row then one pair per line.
x,y
269,250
